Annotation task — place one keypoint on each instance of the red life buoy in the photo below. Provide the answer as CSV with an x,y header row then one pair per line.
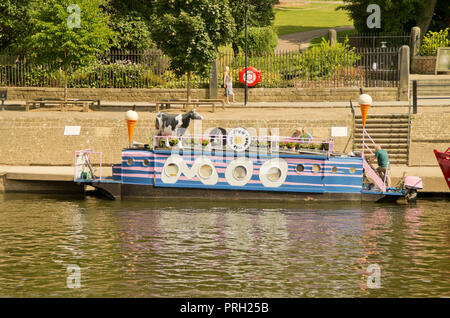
x,y
253,76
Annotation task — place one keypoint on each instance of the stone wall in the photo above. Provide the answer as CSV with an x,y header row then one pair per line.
x,y
429,131
152,95
38,138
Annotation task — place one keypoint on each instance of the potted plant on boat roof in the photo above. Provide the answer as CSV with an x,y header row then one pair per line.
x,y
290,145
173,142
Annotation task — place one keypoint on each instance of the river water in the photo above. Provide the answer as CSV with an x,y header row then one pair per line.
x,y
69,247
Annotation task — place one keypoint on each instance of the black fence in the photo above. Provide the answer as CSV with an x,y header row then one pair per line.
x,y
376,40
368,67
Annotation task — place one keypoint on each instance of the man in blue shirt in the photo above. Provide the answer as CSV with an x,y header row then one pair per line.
x,y
383,164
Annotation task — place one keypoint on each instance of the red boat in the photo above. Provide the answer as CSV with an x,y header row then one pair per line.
x,y
443,159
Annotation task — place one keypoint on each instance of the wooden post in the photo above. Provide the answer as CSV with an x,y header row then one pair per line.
x,y
157,107
27,106
213,107
85,107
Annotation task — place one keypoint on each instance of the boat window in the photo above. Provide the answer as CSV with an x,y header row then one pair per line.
x,y
352,170
274,174
205,171
171,169
300,168
130,162
240,172
334,169
316,168
146,162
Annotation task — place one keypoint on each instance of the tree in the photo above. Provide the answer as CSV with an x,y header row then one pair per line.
x,y
190,32
131,22
260,14
396,16
69,37
14,22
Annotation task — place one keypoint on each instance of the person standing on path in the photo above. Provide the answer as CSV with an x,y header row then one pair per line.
x,y
228,85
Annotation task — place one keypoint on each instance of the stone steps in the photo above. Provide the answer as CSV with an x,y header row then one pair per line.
x,y
390,131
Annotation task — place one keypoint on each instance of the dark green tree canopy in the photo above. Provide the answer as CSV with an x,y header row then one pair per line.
x,y
396,16
14,22
130,19
260,14
190,32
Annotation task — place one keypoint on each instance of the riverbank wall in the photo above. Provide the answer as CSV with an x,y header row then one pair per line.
x,y
37,138
152,95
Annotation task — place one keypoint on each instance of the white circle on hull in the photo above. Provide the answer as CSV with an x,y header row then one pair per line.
x,y
273,172
234,173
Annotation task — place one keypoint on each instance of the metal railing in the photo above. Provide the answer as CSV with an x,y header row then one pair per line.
x,y
260,144
376,40
150,69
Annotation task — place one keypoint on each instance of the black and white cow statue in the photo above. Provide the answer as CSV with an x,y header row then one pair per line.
x,y
173,124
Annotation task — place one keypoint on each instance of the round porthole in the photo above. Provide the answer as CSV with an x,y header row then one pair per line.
x,y
130,162
146,162
274,174
171,170
205,171
300,168
334,169
352,170
239,173
316,168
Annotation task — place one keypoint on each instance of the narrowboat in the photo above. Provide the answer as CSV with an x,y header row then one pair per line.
x,y
239,166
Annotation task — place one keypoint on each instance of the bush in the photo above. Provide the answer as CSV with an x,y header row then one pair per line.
x,y
432,40
259,39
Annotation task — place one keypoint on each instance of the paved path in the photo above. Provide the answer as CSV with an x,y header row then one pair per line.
x,y
301,40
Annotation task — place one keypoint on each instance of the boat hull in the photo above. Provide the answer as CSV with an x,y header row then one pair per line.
x,y
121,191
443,159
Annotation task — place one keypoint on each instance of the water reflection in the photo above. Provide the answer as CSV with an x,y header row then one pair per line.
x,y
198,249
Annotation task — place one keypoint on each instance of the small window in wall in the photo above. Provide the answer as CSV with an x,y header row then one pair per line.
x,y
146,162
334,169
205,171
352,170
274,174
171,170
130,162
300,168
316,168
239,173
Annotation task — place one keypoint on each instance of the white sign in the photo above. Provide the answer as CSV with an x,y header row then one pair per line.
x,y
338,131
238,139
72,130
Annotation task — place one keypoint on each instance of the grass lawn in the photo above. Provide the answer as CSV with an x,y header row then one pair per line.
x,y
311,16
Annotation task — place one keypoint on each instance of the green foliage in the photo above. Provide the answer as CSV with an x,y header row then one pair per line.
x,y
433,40
260,14
131,33
130,21
57,45
396,16
259,40
15,22
190,32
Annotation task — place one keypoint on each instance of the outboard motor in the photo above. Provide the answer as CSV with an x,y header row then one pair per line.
x,y
412,184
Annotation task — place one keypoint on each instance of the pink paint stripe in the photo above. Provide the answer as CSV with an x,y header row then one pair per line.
x,y
136,175
136,154
322,174
343,185
138,168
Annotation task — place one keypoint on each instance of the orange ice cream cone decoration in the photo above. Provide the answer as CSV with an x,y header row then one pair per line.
x,y
364,101
131,117
130,124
